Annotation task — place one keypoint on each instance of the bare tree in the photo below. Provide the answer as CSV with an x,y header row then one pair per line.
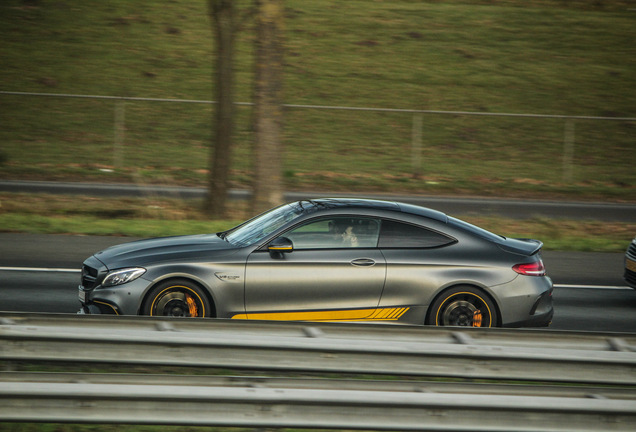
x,y
268,79
222,15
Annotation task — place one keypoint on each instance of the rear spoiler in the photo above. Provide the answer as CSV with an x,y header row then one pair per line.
x,y
521,246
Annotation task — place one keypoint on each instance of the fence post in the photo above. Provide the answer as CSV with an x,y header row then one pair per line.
x,y
119,133
416,145
568,151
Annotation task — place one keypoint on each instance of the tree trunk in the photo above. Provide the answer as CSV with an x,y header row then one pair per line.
x,y
222,17
268,150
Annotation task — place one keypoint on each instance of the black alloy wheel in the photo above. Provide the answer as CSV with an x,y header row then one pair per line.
x,y
463,306
177,298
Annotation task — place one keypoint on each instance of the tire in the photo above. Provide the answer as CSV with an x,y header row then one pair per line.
x,y
177,298
463,306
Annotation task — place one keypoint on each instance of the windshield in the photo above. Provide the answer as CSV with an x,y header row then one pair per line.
x,y
258,228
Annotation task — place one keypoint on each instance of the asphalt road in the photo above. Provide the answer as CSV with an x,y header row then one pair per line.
x,y
516,209
40,273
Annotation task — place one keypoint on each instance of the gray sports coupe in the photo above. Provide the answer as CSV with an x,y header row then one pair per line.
x,y
329,260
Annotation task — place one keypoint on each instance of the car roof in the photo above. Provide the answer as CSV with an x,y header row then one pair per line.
x,y
360,203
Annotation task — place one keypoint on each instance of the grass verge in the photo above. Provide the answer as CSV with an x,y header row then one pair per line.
x,y
153,217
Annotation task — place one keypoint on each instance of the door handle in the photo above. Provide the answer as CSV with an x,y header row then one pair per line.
x,y
363,262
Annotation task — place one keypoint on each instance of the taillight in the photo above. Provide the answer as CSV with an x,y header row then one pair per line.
x,y
530,269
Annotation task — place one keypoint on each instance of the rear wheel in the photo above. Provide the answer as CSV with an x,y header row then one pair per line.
x,y
177,298
463,306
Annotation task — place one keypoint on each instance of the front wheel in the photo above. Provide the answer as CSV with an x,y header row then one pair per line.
x,y
177,298
463,306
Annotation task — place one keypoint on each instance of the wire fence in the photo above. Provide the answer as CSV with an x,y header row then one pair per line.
x,y
366,144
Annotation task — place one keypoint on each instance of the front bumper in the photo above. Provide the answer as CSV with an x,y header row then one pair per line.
x,y
118,300
93,309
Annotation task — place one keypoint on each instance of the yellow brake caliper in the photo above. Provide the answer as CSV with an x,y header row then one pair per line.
x,y
477,318
192,306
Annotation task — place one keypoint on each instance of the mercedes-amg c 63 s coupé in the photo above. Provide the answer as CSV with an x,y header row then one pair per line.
x,y
346,260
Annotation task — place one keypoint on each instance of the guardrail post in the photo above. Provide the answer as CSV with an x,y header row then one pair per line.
x,y
119,133
568,151
416,145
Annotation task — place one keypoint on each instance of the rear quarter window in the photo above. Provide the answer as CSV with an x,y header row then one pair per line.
x,y
402,235
475,230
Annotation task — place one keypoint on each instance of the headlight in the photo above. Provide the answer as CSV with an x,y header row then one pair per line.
x,y
118,277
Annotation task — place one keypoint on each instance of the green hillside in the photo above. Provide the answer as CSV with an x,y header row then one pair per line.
x,y
546,57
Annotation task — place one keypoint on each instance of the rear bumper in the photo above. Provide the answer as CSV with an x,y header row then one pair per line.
x,y
526,302
542,320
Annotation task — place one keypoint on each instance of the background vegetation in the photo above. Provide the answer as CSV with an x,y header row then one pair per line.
x,y
546,57
555,57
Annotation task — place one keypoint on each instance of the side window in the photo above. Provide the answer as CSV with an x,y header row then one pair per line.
x,y
336,233
402,235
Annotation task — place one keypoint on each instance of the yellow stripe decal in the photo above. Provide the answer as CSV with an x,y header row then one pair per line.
x,y
382,314
399,313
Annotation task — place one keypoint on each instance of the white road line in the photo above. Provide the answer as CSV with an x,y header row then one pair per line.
x,y
40,269
607,287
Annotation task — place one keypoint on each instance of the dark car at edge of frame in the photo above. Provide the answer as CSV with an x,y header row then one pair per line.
x,y
630,265
336,260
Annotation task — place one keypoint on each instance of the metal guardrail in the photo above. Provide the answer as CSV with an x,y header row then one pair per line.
x,y
594,375
362,349
391,384
273,407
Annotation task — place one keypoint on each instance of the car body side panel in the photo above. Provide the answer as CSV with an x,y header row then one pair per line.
x,y
321,281
418,275
224,281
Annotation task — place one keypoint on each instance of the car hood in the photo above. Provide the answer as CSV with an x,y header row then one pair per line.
x,y
180,248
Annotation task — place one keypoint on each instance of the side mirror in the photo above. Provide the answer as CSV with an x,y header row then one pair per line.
x,y
281,245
